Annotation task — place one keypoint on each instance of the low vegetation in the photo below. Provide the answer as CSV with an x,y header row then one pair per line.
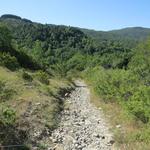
x,y
128,88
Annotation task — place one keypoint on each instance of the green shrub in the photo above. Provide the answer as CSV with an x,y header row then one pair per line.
x,y
5,37
43,77
26,76
139,103
9,61
60,69
124,87
42,146
111,84
140,62
77,62
25,60
7,116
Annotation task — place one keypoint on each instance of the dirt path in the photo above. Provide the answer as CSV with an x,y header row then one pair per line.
x,y
83,126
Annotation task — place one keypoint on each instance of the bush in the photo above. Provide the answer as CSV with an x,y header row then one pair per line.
x,y
25,60
7,116
124,87
140,62
77,62
139,104
9,61
60,69
26,76
111,84
43,77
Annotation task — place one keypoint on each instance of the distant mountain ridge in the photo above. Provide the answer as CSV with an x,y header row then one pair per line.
x,y
9,16
127,37
132,33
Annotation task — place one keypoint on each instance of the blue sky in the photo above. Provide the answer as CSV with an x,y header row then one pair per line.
x,y
92,14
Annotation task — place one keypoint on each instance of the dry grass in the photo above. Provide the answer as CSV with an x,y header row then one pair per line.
x,y
35,99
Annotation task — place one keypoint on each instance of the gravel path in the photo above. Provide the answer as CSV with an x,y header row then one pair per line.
x,y
82,126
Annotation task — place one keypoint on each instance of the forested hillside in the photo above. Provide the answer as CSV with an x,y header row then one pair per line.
x,y
128,37
49,43
46,57
26,88
53,45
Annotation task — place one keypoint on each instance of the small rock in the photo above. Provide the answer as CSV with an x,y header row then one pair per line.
x,y
111,142
66,94
118,126
37,103
98,136
100,108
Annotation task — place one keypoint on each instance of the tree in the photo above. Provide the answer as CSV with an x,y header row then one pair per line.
x,y
5,37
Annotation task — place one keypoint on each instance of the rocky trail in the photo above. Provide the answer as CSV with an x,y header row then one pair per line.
x,y
82,125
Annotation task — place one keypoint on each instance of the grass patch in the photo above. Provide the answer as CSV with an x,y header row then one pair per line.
x,y
6,92
36,104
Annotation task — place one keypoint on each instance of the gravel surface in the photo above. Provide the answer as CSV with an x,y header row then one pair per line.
x,y
82,126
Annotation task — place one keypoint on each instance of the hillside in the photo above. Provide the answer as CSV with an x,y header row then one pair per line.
x,y
125,36
25,90
49,43
38,64
137,33
56,46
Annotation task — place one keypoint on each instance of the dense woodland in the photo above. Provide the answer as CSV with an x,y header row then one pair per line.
x,y
116,63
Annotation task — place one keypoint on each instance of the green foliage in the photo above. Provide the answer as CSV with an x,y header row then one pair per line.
x,y
5,91
42,146
128,37
140,63
117,73
67,49
143,135
9,56
60,69
77,62
128,87
7,116
43,77
25,60
124,87
50,44
62,47
10,16
26,76
9,61
139,103
5,37
22,59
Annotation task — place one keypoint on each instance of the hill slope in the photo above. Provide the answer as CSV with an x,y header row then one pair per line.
x,y
25,90
57,46
127,36
115,71
49,43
